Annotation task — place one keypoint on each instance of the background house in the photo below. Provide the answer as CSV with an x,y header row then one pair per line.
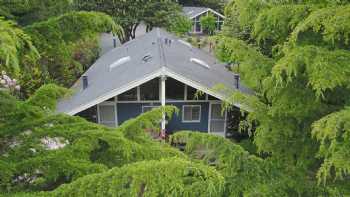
x,y
153,70
195,13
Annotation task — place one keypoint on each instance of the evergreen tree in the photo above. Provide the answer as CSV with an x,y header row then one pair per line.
x,y
296,56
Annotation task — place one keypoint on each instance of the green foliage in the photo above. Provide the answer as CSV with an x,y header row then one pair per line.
x,y
321,67
245,174
294,116
14,45
161,14
129,14
274,25
253,66
208,24
40,150
333,132
328,27
180,25
26,12
68,45
168,177
46,97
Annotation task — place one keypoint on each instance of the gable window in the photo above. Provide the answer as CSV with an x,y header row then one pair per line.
x,y
150,91
191,113
175,90
107,115
130,95
192,94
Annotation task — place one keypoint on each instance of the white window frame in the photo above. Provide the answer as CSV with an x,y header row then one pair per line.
x,y
107,103
191,121
209,117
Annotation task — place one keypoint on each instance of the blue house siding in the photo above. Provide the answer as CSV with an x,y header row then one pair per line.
x,y
176,124
126,111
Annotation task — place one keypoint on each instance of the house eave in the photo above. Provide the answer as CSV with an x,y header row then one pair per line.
x,y
161,72
208,9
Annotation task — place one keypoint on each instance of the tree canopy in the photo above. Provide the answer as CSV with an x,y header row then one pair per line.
x,y
296,56
129,14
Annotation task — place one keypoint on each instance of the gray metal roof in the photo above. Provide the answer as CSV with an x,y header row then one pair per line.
x,y
174,57
192,12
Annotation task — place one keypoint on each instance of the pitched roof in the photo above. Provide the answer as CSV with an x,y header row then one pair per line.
x,y
192,12
178,60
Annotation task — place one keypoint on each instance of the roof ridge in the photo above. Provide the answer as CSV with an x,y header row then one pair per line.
x,y
162,57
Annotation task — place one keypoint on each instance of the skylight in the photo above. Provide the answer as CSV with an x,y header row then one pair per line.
x,y
185,43
200,62
119,62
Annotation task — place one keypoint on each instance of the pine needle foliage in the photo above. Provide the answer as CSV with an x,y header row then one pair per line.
x,y
333,133
14,45
253,66
328,27
68,45
245,174
167,177
300,108
41,150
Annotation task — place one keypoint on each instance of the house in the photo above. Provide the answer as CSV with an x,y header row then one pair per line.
x,y
153,70
195,13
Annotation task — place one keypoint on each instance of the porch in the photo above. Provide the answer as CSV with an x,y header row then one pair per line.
x,y
198,112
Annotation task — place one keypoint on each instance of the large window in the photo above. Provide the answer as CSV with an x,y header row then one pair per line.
x,y
174,90
193,95
191,113
150,91
217,119
130,95
107,115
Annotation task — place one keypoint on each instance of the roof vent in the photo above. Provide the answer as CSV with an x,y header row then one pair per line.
x,y
200,62
185,43
85,82
236,76
168,41
119,62
147,58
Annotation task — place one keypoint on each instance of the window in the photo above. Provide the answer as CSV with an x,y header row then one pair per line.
x,y
175,90
107,115
217,119
148,108
192,94
150,91
191,113
130,95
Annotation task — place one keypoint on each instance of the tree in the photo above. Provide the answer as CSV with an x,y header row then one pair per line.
x,y
41,150
161,14
180,25
15,45
296,56
67,44
129,14
27,12
208,24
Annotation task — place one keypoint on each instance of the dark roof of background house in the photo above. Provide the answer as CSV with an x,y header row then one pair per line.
x,y
192,12
174,57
